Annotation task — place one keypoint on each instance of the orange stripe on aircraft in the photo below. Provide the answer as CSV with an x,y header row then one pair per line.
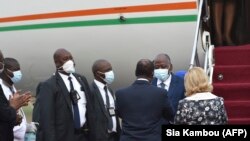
x,y
129,9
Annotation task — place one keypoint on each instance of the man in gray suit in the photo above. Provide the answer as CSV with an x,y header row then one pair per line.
x,y
106,121
141,106
65,103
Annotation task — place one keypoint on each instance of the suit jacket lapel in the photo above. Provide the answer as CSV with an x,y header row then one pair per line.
x,y
64,90
83,87
101,102
78,78
100,99
2,95
172,86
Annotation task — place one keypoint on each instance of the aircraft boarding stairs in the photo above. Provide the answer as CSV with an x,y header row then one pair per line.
x,y
231,80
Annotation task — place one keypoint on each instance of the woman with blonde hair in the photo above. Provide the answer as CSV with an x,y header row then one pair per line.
x,y
200,107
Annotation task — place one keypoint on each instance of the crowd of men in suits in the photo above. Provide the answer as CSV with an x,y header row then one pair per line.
x,y
67,108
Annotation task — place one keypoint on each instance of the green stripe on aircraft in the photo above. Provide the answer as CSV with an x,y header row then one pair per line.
x,y
140,20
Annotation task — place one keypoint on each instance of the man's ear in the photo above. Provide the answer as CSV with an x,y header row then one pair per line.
x,y
8,73
57,63
98,74
171,68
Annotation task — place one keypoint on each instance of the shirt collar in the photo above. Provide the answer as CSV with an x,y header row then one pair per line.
x,y
99,84
65,76
5,83
144,79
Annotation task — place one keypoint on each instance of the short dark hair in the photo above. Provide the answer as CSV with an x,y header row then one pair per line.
x,y
144,67
10,62
96,65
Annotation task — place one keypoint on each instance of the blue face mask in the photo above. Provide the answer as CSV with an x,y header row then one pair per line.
x,y
109,77
161,74
17,76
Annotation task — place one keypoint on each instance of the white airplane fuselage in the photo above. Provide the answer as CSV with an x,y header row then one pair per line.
x,y
31,31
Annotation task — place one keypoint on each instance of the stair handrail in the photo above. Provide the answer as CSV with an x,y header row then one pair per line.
x,y
210,70
209,57
194,51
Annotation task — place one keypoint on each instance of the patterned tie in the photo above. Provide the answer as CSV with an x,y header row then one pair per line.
x,y
162,85
75,107
110,122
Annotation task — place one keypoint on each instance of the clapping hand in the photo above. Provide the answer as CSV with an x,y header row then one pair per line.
x,y
18,100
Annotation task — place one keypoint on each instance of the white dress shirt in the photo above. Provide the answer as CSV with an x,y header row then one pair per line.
x,y
82,101
166,82
144,79
19,130
111,101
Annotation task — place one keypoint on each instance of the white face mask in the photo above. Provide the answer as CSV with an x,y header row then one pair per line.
x,y
161,74
1,70
109,77
69,67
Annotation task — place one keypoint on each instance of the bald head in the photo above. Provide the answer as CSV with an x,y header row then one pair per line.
x,y
60,53
61,56
101,65
144,68
163,57
162,61
99,68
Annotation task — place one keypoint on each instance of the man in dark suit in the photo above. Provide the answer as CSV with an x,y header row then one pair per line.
x,y
65,103
141,106
107,126
164,78
8,108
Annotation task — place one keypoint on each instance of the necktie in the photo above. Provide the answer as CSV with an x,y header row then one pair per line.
x,y
162,85
110,122
12,90
75,106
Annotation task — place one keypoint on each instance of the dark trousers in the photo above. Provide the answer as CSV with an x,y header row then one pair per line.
x,y
6,134
113,137
81,137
